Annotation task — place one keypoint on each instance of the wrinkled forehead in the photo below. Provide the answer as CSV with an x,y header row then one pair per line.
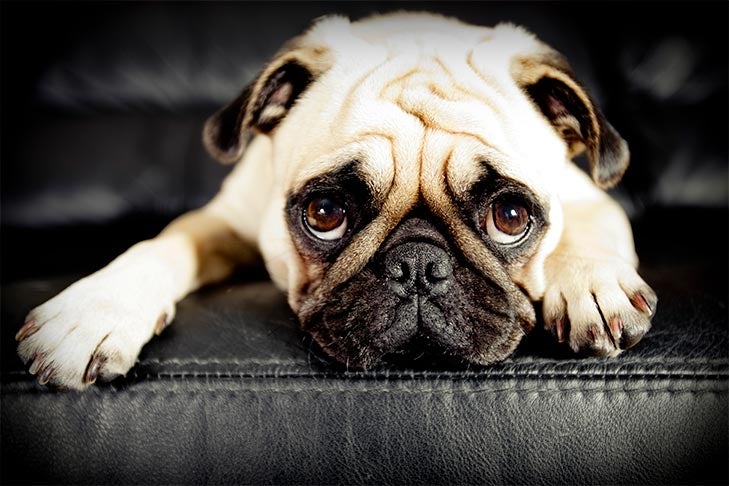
x,y
417,116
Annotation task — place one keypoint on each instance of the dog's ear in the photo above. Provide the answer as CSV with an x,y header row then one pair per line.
x,y
265,102
549,82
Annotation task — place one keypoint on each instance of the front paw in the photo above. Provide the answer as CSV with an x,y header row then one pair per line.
x,y
93,330
597,307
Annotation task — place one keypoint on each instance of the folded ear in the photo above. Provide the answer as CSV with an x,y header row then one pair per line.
x,y
548,80
265,102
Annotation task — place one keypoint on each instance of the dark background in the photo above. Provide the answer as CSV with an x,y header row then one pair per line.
x,y
103,103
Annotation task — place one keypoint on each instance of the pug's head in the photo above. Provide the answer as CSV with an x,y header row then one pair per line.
x,y
413,158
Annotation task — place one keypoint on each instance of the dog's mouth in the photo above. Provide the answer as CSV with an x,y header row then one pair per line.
x,y
418,304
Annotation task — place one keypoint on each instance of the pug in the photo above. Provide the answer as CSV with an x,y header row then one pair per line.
x,y
406,178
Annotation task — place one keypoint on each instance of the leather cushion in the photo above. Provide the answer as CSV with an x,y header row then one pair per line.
x,y
232,392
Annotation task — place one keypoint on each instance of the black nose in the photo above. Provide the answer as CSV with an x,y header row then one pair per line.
x,y
417,268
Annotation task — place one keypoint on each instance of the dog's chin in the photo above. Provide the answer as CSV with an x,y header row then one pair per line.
x,y
469,321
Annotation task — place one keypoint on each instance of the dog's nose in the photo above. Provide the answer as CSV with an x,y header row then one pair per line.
x,y
417,268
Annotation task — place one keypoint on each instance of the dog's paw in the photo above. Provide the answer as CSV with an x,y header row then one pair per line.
x,y
93,330
598,307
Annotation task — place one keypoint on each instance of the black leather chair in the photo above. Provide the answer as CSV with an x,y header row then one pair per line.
x,y
102,107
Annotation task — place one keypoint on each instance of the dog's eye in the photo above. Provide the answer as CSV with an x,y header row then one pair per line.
x,y
506,221
325,218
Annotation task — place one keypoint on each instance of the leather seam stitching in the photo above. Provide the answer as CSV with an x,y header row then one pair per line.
x,y
521,391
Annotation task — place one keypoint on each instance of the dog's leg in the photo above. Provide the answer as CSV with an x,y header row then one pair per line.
x,y
97,326
594,298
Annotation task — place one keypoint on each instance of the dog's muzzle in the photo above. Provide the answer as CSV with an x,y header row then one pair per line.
x,y
419,296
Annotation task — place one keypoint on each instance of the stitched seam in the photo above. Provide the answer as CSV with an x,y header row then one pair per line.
x,y
499,376
386,391
139,376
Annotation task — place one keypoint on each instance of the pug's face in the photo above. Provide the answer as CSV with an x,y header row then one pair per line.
x,y
413,158
429,265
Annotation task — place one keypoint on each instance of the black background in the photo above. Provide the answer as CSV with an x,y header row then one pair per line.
x,y
101,95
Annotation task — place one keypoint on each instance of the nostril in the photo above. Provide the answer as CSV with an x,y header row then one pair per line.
x,y
438,270
399,271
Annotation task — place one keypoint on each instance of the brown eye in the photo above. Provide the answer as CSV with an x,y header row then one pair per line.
x,y
506,221
325,218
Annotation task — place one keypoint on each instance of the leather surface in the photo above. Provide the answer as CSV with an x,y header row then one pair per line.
x,y
233,393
